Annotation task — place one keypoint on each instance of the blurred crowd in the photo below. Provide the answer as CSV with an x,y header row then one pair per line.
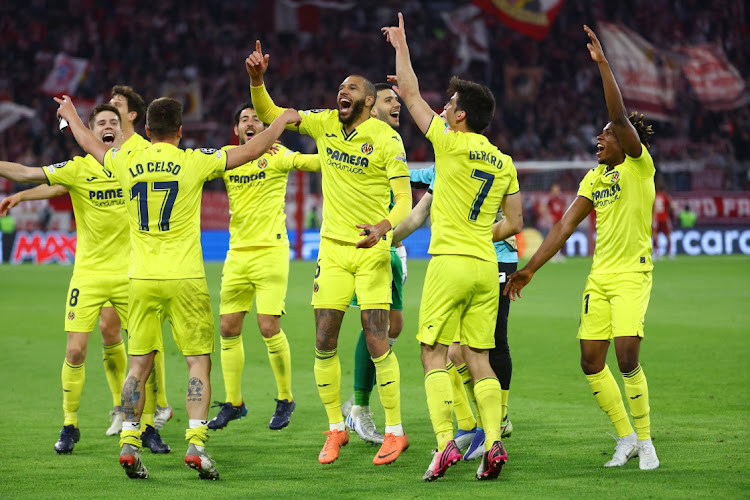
x,y
149,44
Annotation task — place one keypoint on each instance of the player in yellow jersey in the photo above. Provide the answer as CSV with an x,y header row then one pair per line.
x,y
387,108
473,179
98,278
132,109
362,160
163,186
257,267
621,190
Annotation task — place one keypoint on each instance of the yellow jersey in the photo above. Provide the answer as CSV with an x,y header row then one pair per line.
x,y
257,196
162,185
136,141
623,197
471,178
356,171
103,245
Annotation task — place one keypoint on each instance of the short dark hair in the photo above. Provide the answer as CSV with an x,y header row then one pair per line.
x,y
164,117
383,86
645,132
135,101
369,88
476,100
102,107
245,105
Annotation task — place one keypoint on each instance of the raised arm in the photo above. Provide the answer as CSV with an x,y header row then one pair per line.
x,y
43,192
512,223
256,65
307,162
560,232
85,137
21,173
260,143
626,133
408,85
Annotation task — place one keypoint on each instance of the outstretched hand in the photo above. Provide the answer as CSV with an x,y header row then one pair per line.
x,y
66,109
396,35
256,64
8,203
595,47
516,282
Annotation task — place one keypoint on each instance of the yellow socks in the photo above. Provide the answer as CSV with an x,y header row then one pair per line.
x,y
149,405
504,401
487,392
232,363
388,378
636,389
115,368
161,380
437,385
463,370
197,435
281,363
328,378
461,407
73,378
608,396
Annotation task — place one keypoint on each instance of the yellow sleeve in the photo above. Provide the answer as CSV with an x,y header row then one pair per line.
x,y
308,163
401,188
267,110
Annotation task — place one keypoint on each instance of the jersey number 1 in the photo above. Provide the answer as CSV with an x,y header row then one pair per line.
x,y
487,180
140,191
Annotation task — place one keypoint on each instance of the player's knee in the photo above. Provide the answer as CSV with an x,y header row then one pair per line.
x,y
590,367
627,363
75,353
269,325
230,327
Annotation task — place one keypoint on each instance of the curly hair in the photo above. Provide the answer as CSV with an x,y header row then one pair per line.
x,y
645,132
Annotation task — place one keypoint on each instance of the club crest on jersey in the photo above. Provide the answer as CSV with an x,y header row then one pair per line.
x,y
262,163
614,176
71,316
316,287
367,148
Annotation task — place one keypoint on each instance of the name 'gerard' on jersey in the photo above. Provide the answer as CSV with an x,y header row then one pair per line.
x,y
155,166
486,157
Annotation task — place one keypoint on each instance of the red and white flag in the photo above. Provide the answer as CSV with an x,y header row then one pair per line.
x,y
467,23
293,16
646,76
65,76
533,19
717,84
10,113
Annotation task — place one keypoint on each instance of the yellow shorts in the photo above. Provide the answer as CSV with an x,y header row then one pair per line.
x,y
88,294
460,295
344,269
614,305
184,303
259,273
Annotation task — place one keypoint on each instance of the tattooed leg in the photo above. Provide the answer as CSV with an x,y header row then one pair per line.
x,y
327,327
133,396
375,326
199,386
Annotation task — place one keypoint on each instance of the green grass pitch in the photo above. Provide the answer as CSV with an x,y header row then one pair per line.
x,y
696,356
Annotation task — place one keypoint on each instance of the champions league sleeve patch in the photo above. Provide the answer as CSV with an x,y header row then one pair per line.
x,y
308,111
210,151
55,166
401,157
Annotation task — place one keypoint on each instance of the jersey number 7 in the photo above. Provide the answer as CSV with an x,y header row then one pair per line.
x,y
140,191
487,180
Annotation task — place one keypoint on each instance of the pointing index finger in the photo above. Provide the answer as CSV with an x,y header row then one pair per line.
x,y
400,20
257,46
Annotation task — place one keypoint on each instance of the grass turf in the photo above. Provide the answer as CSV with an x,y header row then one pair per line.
x,y
695,356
